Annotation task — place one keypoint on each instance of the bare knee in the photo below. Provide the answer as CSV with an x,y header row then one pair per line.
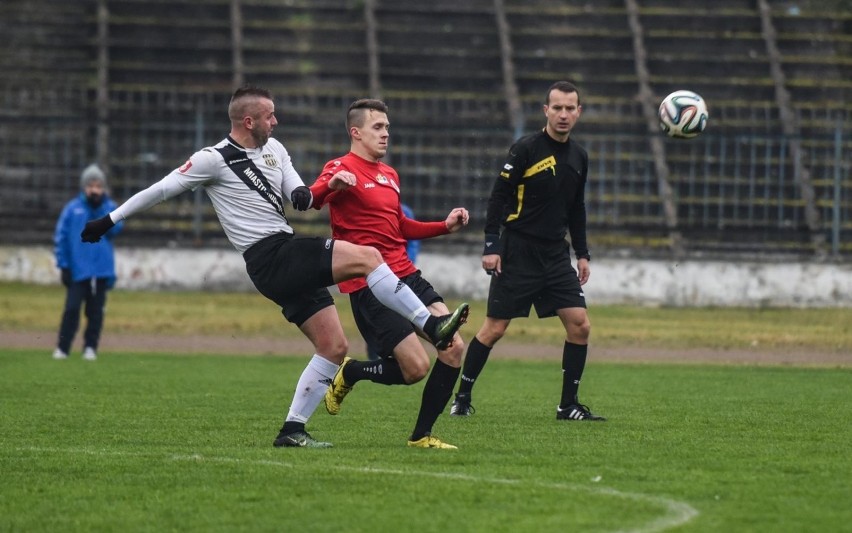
x,y
372,257
367,259
333,348
352,260
413,360
579,331
452,356
492,331
325,332
415,370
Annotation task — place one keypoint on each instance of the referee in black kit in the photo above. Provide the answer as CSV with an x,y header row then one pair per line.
x,y
537,199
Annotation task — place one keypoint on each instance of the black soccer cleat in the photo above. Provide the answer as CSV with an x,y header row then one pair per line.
x,y
298,439
441,329
461,406
577,411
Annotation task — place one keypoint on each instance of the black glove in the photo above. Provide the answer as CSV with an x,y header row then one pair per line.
x,y
66,277
301,198
95,229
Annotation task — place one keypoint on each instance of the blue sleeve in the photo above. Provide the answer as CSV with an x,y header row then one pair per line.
x,y
412,250
413,247
62,247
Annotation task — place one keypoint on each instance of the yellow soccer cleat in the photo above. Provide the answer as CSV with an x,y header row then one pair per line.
x,y
431,442
337,390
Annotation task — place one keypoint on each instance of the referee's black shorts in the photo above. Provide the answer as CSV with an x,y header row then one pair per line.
x,y
382,328
293,273
536,273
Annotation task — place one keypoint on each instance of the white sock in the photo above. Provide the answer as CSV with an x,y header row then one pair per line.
x,y
311,389
397,296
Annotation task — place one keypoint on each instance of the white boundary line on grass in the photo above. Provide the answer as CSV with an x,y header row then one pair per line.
x,y
676,514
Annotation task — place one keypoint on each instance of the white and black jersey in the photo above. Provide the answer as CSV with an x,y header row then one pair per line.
x,y
247,187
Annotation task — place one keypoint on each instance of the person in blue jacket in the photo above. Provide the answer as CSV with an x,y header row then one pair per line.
x,y
88,270
413,247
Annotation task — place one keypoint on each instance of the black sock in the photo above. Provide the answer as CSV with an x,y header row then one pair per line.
x,y
436,395
291,426
430,326
384,371
573,363
474,361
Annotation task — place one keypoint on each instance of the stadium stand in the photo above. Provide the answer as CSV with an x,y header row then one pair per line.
x,y
172,64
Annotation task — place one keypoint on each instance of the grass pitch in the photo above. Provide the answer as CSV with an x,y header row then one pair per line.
x,y
38,308
140,442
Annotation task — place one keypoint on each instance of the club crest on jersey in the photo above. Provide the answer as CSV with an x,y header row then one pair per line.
x,y
270,160
381,178
186,166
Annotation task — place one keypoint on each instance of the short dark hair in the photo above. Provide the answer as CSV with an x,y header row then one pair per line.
x,y
562,86
357,110
236,110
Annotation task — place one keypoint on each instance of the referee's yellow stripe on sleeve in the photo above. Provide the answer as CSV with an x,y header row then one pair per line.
x,y
517,213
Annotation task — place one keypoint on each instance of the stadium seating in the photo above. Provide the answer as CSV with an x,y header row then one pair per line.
x,y
171,67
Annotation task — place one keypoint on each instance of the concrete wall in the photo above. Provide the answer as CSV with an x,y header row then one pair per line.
x,y
645,282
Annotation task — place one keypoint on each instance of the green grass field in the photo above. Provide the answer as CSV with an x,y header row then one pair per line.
x,y
142,442
159,442
37,308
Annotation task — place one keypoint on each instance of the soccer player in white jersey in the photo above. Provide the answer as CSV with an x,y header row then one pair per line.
x,y
247,175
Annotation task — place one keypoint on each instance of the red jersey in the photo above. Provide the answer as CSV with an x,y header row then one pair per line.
x,y
370,213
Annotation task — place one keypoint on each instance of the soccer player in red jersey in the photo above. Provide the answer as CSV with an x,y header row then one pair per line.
x,y
363,197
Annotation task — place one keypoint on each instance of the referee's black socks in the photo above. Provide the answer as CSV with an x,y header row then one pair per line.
x,y
573,363
474,362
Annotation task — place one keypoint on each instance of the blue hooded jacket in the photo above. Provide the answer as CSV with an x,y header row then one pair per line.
x,y
86,260
413,247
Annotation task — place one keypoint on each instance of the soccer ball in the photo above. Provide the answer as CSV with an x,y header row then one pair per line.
x,y
683,115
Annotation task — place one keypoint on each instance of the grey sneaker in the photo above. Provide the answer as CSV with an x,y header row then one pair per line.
x,y
89,354
59,355
441,329
298,439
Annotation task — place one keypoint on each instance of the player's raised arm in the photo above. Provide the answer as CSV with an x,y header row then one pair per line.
x,y
187,177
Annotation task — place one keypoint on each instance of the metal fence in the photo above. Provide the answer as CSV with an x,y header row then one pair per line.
x,y
735,187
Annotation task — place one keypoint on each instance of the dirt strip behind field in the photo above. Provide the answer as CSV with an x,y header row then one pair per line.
x,y
506,349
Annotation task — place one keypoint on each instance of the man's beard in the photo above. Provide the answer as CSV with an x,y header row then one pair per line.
x,y
95,200
259,139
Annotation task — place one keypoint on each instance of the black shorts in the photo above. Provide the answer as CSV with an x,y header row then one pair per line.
x,y
534,272
293,273
382,328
